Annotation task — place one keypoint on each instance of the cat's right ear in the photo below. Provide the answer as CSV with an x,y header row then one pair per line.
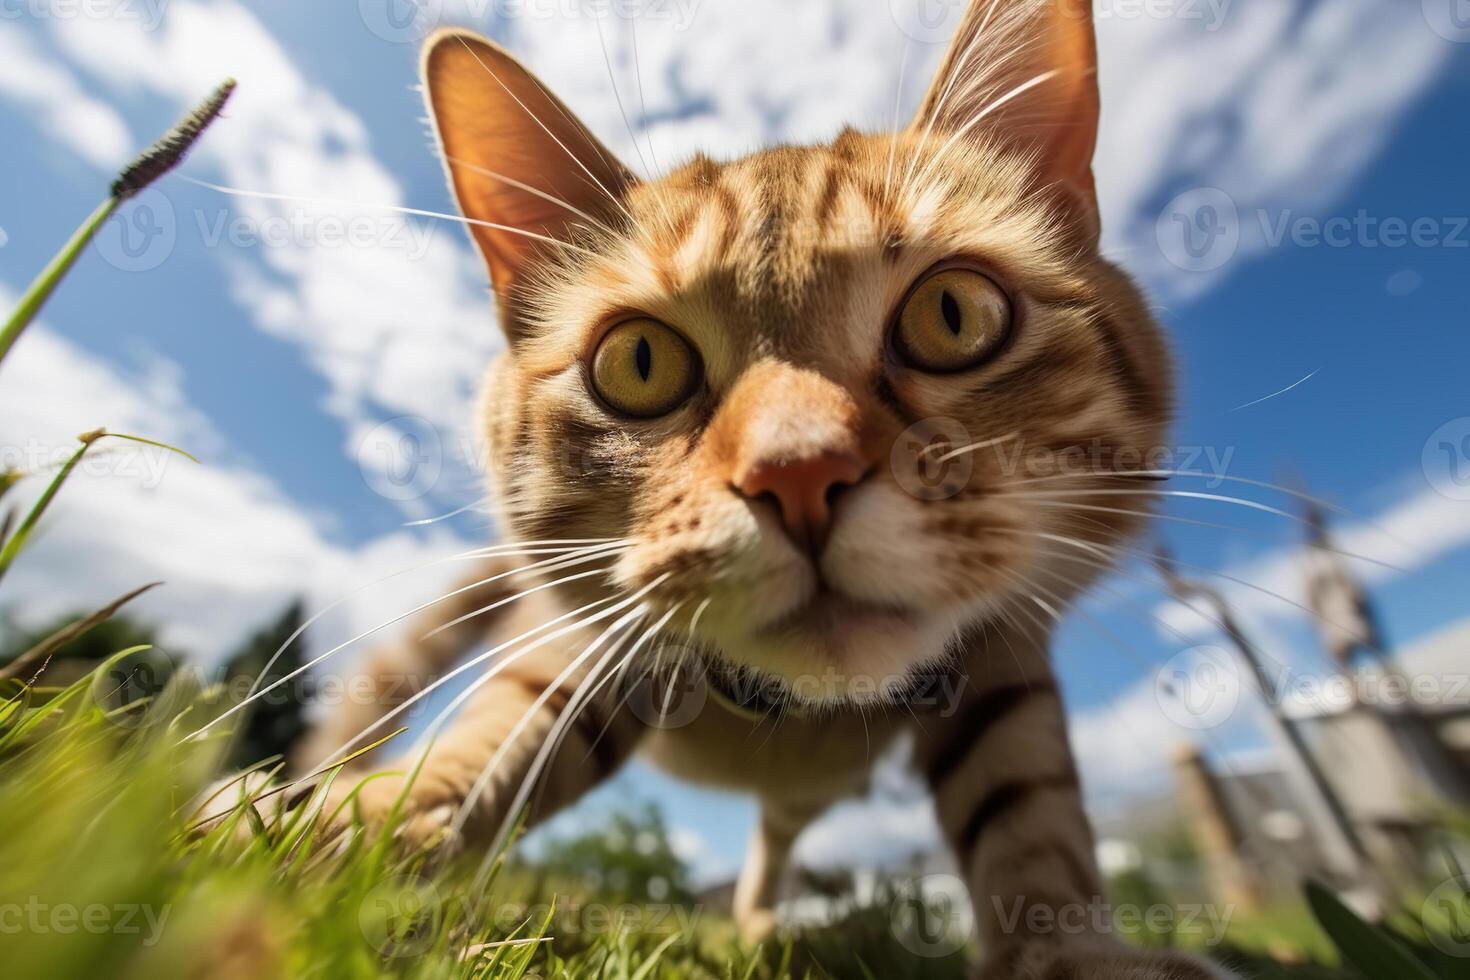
x,y
517,158
1025,71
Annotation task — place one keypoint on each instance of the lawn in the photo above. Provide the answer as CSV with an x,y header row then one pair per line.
x,y
106,871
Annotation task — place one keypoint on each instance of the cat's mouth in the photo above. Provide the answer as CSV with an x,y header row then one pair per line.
x,y
750,691
830,613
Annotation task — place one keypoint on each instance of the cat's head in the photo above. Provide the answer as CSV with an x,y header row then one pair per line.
x,y
840,400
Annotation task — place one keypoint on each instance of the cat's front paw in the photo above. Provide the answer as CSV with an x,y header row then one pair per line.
x,y
420,818
1042,961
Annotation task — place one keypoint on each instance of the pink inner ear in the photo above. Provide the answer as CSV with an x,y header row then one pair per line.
x,y
516,155
1026,73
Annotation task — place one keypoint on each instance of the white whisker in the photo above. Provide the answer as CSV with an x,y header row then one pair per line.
x,y
1274,394
585,693
487,772
1192,522
613,198
648,634
418,212
973,447
443,517
550,565
535,192
341,646
698,613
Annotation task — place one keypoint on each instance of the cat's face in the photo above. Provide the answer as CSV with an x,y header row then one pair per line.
x,y
839,400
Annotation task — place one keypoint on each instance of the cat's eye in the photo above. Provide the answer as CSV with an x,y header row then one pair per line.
x,y
952,321
644,369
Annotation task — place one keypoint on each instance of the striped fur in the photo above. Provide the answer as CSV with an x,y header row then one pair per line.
x,y
784,271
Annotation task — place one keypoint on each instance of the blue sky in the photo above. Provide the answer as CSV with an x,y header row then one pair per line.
x,y
248,333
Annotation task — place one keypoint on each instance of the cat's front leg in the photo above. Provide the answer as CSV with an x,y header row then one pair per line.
x,y
493,750
1008,798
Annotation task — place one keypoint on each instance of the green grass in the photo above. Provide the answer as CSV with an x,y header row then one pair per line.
x,y
102,874
104,871
103,877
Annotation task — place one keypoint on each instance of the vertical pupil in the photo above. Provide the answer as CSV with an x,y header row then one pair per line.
x,y
951,311
643,357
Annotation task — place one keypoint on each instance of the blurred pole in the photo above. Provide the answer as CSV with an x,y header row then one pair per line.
x,y
1351,628
1348,848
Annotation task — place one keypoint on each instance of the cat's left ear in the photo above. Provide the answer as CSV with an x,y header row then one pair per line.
x,y
519,161
1024,71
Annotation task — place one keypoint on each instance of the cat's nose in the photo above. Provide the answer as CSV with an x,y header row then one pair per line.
x,y
805,490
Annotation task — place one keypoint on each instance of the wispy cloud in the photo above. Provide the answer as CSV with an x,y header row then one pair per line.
x,y
388,308
1270,589
60,103
231,548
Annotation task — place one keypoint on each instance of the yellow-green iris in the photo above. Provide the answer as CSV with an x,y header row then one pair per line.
x,y
644,369
952,321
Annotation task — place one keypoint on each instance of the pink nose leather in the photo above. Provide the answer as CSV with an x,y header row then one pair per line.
x,y
805,490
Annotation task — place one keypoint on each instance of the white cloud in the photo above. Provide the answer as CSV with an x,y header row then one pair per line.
x,y
390,310
230,547
60,105
1273,106
1405,536
705,865
1267,101
895,821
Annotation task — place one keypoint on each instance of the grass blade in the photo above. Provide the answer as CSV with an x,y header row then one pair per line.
x,y
1375,954
17,541
45,284
40,654
165,154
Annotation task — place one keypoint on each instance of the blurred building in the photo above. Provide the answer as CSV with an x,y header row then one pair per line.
x,y
1394,744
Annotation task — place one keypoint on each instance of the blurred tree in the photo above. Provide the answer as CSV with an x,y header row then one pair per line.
x,y
1136,898
276,720
631,857
98,643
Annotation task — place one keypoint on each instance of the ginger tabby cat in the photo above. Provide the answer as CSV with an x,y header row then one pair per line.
x,y
729,411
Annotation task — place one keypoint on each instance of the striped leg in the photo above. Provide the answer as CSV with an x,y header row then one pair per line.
x,y
506,722
765,859
433,640
1007,795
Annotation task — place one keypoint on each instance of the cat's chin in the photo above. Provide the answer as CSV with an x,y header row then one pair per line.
x,y
832,651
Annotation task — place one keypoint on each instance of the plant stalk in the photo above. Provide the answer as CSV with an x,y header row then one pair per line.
x,y
165,154
43,285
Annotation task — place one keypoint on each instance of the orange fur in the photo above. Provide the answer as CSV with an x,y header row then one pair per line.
x,y
785,271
